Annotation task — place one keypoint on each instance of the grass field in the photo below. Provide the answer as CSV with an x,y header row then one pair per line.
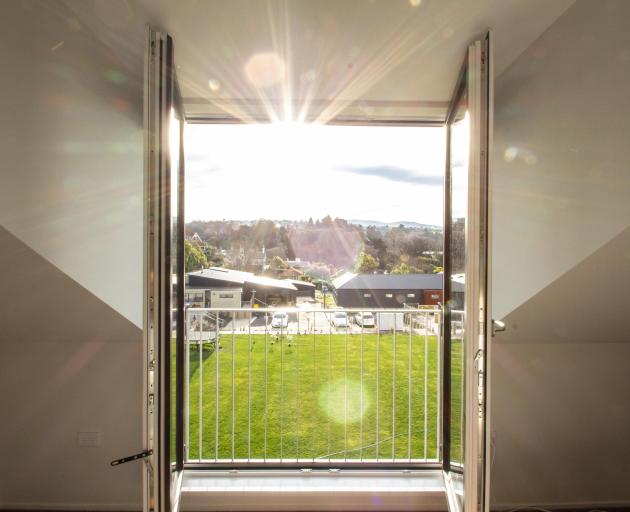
x,y
322,399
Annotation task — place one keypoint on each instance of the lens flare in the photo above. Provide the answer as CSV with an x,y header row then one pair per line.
x,y
265,69
333,401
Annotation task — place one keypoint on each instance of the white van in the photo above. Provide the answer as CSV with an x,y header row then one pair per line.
x,y
340,319
280,320
365,319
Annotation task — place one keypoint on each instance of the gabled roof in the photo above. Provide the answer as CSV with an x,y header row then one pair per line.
x,y
340,281
240,278
351,281
298,283
269,282
223,274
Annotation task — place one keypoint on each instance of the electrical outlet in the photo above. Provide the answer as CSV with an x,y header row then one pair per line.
x,y
89,439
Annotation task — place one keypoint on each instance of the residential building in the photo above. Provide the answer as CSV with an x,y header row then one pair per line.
x,y
390,290
217,286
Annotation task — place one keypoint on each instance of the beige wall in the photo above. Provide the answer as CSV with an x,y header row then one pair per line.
x,y
70,364
70,263
71,142
561,265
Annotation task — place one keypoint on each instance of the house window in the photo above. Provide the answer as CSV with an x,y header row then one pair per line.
x,y
389,295
194,297
226,296
411,295
367,295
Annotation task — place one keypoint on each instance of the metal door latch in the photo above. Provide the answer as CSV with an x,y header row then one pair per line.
x,y
497,326
137,456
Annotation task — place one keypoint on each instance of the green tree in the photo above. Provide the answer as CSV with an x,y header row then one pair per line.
x,y
366,263
403,268
213,256
276,266
194,258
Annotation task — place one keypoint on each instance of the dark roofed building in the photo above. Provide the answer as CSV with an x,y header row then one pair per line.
x,y
304,288
387,290
216,278
201,284
268,290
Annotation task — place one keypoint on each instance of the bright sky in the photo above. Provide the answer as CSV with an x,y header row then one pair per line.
x,y
296,171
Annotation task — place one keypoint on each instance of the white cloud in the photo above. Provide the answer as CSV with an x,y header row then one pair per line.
x,y
292,171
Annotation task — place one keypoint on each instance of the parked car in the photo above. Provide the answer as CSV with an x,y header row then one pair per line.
x,y
340,319
279,320
365,319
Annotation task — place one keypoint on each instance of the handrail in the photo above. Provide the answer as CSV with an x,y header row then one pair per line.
x,y
293,309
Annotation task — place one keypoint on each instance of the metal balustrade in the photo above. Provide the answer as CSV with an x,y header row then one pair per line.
x,y
306,389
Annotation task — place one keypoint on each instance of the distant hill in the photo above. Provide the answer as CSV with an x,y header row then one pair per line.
x,y
405,223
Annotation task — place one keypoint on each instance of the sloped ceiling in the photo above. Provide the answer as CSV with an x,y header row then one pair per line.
x,y
323,58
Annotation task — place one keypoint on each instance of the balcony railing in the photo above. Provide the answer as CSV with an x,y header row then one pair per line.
x,y
312,387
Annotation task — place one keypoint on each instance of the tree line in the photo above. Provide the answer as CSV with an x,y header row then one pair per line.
x,y
324,247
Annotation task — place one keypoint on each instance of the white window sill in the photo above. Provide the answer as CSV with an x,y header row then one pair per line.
x,y
211,491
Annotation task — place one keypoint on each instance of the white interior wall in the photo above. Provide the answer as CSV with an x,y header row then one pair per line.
x,y
561,160
562,263
71,263
71,132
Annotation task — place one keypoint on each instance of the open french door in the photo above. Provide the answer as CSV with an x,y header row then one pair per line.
x,y
466,290
164,277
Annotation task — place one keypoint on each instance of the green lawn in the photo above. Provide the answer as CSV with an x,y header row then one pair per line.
x,y
316,404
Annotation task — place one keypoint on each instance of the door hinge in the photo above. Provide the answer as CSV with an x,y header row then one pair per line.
x,y
130,458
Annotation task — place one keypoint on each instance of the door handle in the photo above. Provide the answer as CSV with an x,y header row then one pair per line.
x,y
142,455
497,326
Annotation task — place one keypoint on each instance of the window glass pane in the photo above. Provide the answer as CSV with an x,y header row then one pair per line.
x,y
174,148
271,204
459,156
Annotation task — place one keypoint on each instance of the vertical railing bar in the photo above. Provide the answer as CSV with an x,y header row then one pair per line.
x,y
249,389
265,420
345,391
327,319
426,381
217,346
378,364
233,355
281,392
314,389
297,392
187,390
361,404
394,393
439,387
409,390
200,385
461,400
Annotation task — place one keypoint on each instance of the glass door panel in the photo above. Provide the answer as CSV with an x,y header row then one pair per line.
x,y
164,277
465,285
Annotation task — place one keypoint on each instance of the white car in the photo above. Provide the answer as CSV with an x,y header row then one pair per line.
x,y
340,319
279,320
365,319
